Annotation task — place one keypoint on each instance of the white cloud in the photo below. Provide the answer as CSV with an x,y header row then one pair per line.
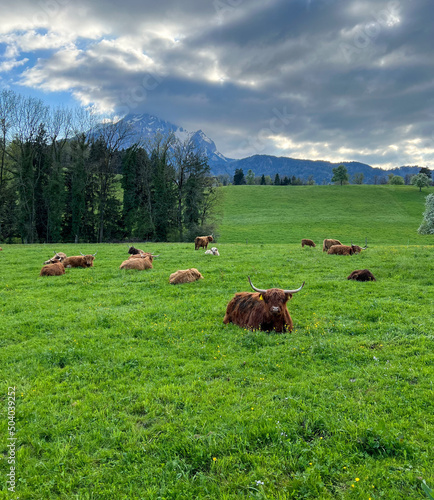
x,y
11,64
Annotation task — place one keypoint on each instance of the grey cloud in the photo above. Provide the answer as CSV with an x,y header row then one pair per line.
x,y
348,74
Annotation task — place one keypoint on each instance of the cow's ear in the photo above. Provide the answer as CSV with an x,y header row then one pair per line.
x,y
288,296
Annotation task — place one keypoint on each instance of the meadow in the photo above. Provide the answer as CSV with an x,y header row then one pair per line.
x,y
128,387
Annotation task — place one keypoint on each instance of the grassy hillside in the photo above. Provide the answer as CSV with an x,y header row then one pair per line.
x,y
127,387
273,214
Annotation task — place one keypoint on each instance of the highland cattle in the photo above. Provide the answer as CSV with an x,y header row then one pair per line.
x,y
202,242
326,244
55,269
342,250
135,251
58,257
264,310
361,275
139,264
308,243
185,276
80,260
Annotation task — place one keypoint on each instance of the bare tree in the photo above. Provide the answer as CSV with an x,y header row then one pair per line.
x,y
110,137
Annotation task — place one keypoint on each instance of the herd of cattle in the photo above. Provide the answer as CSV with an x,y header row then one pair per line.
x,y
264,309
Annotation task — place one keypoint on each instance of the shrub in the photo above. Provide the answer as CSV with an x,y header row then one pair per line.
x,y
427,226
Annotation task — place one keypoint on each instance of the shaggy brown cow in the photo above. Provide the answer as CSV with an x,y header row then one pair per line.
x,y
58,257
326,244
361,275
138,264
1,249
80,261
265,310
135,251
56,269
358,249
141,255
185,276
307,242
202,242
342,250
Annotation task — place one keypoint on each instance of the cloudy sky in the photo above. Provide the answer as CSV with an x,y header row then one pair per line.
x,y
316,79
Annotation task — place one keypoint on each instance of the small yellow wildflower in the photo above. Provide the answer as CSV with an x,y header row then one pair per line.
x,y
357,479
214,459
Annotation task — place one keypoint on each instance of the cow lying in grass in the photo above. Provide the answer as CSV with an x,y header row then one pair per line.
x,y
135,251
213,251
342,250
55,269
80,260
361,275
185,276
58,257
264,310
345,249
141,255
140,264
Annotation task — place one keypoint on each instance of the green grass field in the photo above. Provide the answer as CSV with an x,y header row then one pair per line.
x,y
281,214
128,387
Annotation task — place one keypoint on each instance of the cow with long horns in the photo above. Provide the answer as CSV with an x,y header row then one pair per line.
x,y
58,257
264,310
80,260
346,249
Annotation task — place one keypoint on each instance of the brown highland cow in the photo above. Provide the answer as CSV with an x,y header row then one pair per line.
x,y
361,275
326,244
308,243
135,251
185,276
264,310
341,250
202,242
58,257
56,269
138,264
80,260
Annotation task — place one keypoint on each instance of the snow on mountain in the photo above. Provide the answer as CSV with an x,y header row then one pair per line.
x,y
145,127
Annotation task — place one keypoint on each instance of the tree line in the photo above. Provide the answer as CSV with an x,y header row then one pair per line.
x,y
340,176
65,177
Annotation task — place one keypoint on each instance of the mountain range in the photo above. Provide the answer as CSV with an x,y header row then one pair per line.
x,y
145,127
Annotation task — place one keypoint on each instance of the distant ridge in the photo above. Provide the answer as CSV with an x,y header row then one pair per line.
x,y
146,127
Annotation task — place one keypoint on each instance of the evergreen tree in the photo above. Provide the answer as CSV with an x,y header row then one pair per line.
x,y
277,180
239,177
263,180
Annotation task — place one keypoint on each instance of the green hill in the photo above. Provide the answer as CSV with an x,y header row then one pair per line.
x,y
285,214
